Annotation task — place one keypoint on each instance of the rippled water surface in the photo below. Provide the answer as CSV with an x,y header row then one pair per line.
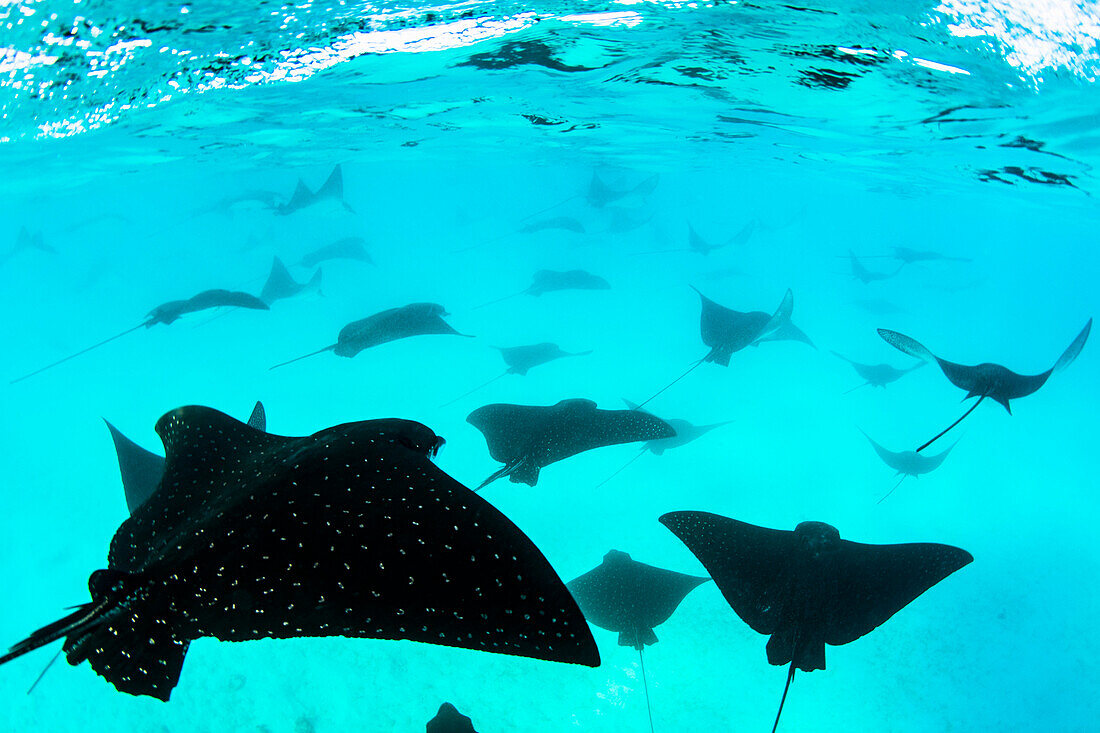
x,y
146,150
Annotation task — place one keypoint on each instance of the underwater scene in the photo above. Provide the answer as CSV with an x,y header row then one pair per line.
x,y
560,365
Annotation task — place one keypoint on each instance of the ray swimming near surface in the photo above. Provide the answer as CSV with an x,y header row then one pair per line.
x,y
415,319
807,588
168,313
527,438
352,531
548,281
987,379
631,598
907,463
520,360
304,197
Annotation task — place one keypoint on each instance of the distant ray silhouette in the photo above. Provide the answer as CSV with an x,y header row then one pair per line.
x,y
227,204
699,245
727,331
631,598
281,285
303,197
26,240
415,319
910,256
876,375
865,276
985,380
449,720
548,281
562,223
685,433
527,438
520,360
168,313
142,470
878,306
809,588
599,194
352,531
348,248
907,463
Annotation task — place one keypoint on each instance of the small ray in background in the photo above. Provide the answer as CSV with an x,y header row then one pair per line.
x,y
449,720
561,223
26,240
907,463
548,281
631,598
910,256
876,375
685,433
699,245
520,360
352,531
527,438
254,198
348,248
168,313
281,285
985,380
303,197
865,276
599,194
415,319
809,588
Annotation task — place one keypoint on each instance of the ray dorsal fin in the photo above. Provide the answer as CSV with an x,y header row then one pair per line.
x,y
141,470
258,419
1073,349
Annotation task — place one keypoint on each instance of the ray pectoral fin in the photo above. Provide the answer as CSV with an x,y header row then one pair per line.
x,y
906,345
1073,349
782,315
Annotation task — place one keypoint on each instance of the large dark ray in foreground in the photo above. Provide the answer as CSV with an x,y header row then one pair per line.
x,y
522,359
630,598
415,319
168,313
809,588
985,380
527,438
352,531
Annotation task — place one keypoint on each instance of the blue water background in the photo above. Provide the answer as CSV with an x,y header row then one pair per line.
x,y
1007,643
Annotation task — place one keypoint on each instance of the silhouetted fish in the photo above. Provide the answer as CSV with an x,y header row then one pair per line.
x,y
528,438
348,248
449,720
907,463
352,531
809,588
303,197
415,319
521,359
281,285
168,313
877,375
986,380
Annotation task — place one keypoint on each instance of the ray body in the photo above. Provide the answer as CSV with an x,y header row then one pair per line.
x,y
27,240
907,463
563,223
303,197
449,720
547,281
171,311
599,194
269,200
994,381
348,248
281,285
352,531
527,438
877,375
415,319
727,331
808,588
865,276
910,256
520,360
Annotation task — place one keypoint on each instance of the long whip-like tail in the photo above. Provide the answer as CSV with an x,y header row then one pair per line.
x,y
945,430
42,674
790,676
645,686
83,617
497,474
674,381
475,389
498,300
903,477
622,467
548,208
306,356
853,389
82,351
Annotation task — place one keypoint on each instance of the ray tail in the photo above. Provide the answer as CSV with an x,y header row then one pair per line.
x,y
549,208
85,616
82,351
645,686
475,389
790,676
674,381
45,670
903,477
498,300
306,356
853,389
622,468
945,430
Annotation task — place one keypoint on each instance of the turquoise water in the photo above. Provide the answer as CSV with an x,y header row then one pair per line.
x,y
962,128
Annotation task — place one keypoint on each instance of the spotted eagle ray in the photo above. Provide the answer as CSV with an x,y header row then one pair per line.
x,y
352,531
528,438
168,313
348,248
907,463
685,433
876,375
809,588
520,360
141,470
449,720
281,285
548,281
415,319
303,197
985,380
727,331
630,598
865,276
